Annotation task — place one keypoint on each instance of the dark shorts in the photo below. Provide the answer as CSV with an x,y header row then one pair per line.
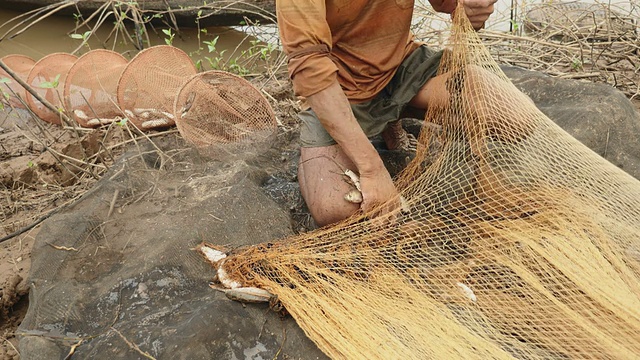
x,y
374,115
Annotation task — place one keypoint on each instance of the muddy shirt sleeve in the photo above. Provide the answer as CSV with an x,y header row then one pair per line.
x,y
306,39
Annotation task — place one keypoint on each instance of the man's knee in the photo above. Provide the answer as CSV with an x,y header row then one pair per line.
x,y
333,213
322,184
326,201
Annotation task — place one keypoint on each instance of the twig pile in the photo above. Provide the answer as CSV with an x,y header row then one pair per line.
x,y
599,42
53,166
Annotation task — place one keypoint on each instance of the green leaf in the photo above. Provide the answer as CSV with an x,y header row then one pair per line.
x,y
30,164
76,36
56,81
5,80
51,84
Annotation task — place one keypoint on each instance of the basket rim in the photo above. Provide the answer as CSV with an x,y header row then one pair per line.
x,y
48,115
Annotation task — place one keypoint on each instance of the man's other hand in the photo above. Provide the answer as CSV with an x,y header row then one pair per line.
x,y
377,189
478,11
444,6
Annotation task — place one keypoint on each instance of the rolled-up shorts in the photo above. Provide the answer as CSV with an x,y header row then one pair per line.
x,y
374,115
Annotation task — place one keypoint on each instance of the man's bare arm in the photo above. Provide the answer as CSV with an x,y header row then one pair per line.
x,y
334,111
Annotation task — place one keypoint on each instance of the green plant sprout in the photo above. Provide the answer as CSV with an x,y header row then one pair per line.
x,y
170,34
514,26
242,63
51,84
576,64
82,37
211,45
215,62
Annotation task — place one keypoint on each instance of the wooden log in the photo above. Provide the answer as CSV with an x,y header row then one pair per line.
x,y
213,12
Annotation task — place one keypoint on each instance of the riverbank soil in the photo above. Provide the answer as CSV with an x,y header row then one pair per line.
x,y
33,183
44,167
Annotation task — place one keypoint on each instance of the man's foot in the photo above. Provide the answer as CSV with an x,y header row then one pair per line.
x,y
396,138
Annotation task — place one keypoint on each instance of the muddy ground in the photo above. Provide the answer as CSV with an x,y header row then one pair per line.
x,y
44,167
38,175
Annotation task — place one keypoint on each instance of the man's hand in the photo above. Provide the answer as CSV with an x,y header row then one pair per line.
x,y
478,11
377,188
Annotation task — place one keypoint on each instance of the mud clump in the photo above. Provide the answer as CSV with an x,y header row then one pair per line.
x,y
13,306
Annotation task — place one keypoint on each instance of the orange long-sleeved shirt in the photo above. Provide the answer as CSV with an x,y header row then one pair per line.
x,y
359,42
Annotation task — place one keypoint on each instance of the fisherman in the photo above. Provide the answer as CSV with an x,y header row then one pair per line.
x,y
358,67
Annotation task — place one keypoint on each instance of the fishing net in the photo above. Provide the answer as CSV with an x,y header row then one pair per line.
x,y
223,114
47,78
515,241
149,83
90,87
11,91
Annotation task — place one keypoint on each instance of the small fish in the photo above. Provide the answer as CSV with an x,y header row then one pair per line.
x,y
354,196
149,124
211,254
224,279
353,178
248,294
468,292
97,122
80,114
188,104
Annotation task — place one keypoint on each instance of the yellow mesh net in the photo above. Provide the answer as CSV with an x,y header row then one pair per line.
x,y
223,114
91,85
47,78
149,83
14,94
518,242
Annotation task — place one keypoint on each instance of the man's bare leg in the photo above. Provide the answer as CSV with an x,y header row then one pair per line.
x,y
502,115
322,183
321,170
432,93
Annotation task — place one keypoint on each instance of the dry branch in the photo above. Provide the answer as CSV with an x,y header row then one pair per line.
x,y
174,12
